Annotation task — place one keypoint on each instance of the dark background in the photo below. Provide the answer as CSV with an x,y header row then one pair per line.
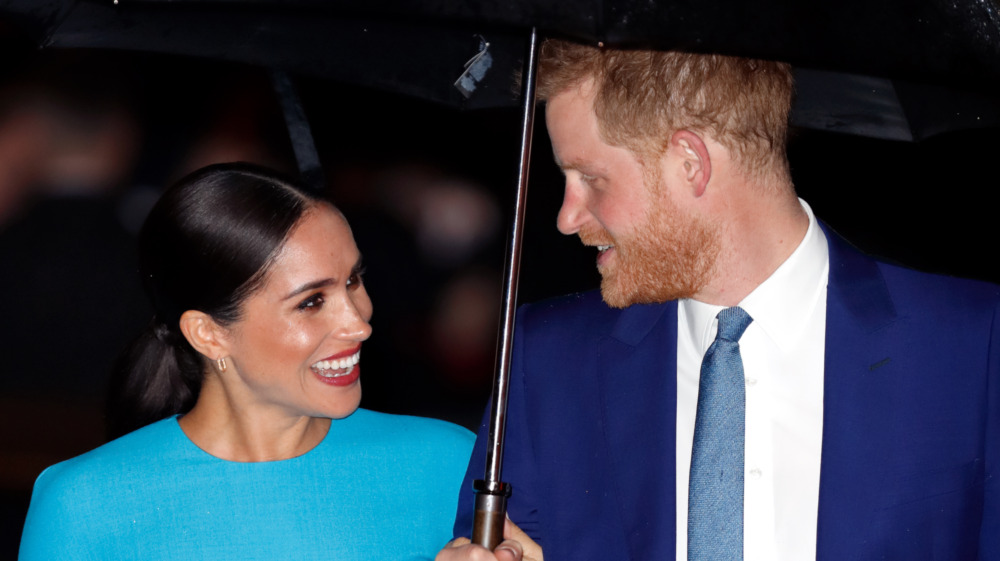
x,y
403,171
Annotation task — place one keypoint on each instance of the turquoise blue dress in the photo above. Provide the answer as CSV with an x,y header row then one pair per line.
x,y
377,487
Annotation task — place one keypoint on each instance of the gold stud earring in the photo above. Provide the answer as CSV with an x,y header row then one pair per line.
x,y
221,363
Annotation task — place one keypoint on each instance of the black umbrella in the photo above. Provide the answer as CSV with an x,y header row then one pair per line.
x,y
421,48
928,39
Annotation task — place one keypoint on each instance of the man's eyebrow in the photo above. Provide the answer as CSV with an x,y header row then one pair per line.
x,y
578,167
565,167
310,286
555,158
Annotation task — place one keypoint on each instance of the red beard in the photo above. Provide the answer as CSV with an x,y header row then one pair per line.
x,y
668,257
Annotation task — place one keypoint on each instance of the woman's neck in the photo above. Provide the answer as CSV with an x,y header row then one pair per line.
x,y
241,433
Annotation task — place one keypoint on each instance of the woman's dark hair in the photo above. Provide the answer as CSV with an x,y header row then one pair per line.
x,y
206,245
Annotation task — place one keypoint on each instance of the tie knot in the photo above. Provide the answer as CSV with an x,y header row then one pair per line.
x,y
732,323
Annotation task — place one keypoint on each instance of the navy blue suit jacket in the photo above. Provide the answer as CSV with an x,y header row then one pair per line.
x,y
910,464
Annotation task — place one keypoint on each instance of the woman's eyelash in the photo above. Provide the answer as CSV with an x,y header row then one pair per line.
x,y
316,300
357,276
311,302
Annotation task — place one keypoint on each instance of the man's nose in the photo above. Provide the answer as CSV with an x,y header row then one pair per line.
x,y
573,213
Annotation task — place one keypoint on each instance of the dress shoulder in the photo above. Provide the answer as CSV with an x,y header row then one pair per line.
x,y
69,495
407,434
134,450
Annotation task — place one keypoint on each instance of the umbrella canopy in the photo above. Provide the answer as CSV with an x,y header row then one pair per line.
x,y
466,54
940,40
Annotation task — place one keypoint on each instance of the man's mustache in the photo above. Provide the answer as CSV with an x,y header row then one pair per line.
x,y
595,236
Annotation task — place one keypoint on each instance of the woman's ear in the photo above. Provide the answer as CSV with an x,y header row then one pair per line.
x,y
205,335
690,150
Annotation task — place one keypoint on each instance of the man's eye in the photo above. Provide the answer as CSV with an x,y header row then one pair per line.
x,y
314,301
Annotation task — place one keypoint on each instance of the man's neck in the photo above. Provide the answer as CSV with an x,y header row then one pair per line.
x,y
758,234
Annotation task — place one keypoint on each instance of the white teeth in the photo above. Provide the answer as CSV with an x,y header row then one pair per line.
x,y
337,367
604,247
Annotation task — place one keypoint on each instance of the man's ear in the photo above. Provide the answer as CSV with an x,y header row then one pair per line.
x,y
205,335
690,150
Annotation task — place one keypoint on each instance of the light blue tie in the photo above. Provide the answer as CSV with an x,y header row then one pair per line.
x,y
715,491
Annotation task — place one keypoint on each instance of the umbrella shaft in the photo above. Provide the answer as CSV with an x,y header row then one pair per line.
x,y
491,493
494,451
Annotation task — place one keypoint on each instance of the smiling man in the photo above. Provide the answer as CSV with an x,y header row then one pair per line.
x,y
746,385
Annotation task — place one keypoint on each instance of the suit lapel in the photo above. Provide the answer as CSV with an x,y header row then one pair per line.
x,y
858,308
638,380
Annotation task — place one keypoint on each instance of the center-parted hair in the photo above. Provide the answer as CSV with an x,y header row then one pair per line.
x,y
207,245
645,96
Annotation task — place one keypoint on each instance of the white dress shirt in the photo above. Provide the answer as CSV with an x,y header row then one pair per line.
x,y
782,354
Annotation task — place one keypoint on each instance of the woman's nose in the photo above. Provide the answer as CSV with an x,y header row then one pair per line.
x,y
354,320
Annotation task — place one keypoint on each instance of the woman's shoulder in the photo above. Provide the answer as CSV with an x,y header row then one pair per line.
x,y
136,450
407,431
393,423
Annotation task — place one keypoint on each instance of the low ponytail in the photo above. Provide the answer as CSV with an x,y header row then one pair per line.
x,y
156,376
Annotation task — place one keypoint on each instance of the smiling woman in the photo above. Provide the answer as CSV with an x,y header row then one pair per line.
x,y
246,385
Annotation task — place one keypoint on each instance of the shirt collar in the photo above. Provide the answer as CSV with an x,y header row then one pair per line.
x,y
780,305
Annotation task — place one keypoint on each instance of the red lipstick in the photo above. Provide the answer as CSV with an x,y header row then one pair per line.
x,y
343,354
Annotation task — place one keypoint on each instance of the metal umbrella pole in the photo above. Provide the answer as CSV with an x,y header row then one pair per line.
x,y
491,492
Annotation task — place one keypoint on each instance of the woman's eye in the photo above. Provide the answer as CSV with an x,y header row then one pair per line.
x,y
356,278
314,301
